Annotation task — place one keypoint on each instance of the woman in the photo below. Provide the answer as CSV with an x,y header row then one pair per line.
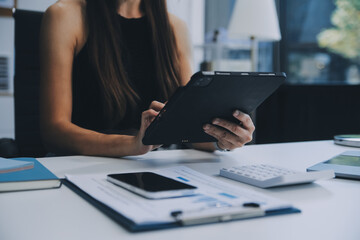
x,y
103,64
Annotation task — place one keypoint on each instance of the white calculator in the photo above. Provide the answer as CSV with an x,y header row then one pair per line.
x,y
266,176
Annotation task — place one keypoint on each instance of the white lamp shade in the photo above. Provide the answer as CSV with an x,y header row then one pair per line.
x,y
254,18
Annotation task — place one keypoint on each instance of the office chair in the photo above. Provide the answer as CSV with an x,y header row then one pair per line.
x,y
26,87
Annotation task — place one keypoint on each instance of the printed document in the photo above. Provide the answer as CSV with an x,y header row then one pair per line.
x,y
211,193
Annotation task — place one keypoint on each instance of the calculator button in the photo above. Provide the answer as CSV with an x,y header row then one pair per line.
x,y
264,175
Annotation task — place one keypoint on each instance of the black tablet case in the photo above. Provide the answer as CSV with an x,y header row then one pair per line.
x,y
209,95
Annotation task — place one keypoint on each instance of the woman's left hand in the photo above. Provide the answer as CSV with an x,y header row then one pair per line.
x,y
234,135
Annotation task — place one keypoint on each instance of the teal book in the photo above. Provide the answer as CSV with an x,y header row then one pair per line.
x,y
36,177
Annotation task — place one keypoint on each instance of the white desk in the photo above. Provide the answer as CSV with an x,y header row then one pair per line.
x,y
330,209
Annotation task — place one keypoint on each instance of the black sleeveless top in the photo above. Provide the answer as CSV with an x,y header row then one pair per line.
x,y
139,65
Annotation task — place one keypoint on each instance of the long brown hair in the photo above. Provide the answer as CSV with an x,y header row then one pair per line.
x,y
105,49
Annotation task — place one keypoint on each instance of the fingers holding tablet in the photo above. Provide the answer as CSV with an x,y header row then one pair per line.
x,y
157,106
231,135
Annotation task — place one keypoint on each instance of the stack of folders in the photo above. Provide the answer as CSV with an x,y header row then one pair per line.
x,y
25,174
214,201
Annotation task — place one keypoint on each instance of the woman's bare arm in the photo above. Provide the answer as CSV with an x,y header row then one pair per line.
x,y
63,34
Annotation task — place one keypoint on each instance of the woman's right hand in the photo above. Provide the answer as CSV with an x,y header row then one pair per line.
x,y
146,118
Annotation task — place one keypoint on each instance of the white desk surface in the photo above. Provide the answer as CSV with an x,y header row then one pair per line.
x,y
330,208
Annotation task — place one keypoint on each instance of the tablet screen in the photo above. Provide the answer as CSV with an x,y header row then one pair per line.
x,y
345,160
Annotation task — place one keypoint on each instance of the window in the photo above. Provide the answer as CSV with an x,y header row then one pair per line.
x,y
302,58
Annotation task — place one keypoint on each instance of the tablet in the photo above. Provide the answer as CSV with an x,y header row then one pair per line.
x,y
345,165
209,95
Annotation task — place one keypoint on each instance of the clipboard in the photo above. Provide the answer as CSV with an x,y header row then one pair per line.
x,y
131,226
178,218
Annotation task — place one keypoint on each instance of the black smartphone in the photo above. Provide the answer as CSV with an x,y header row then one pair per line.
x,y
151,185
